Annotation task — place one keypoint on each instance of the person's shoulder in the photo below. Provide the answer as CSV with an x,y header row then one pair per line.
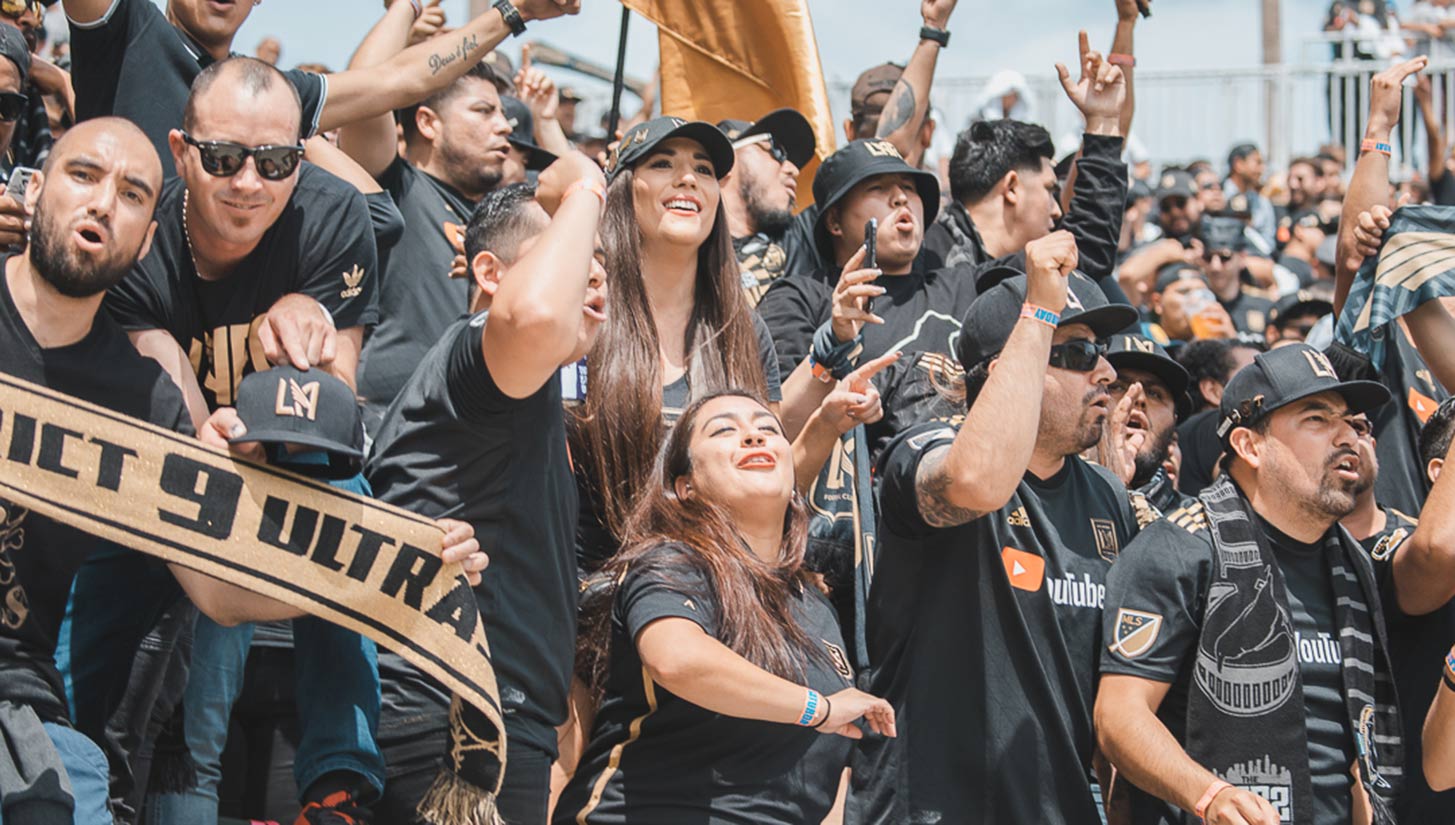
x,y
317,182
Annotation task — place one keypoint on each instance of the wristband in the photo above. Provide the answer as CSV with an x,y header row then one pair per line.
x,y
511,15
831,360
828,710
1370,145
418,8
327,316
594,187
810,708
1448,674
1039,313
1217,787
935,35
1126,60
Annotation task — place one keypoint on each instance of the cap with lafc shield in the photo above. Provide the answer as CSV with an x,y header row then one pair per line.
x,y
641,139
1284,375
289,406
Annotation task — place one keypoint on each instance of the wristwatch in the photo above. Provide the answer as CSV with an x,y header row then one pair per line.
x,y
936,35
511,15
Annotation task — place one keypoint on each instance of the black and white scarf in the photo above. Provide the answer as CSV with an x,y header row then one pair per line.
x,y
1245,715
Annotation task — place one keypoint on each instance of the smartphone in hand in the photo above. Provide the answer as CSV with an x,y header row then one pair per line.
x,y
20,180
871,244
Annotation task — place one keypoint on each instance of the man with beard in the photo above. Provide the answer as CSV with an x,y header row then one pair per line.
x,y
1418,641
134,61
1002,535
456,145
92,221
758,195
1157,386
1246,676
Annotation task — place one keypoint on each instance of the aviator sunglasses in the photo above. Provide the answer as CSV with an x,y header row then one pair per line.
x,y
223,159
1079,355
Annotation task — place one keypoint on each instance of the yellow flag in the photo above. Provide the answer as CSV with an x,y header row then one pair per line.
x,y
741,59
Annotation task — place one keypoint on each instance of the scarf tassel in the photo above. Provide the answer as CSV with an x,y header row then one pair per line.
x,y
453,801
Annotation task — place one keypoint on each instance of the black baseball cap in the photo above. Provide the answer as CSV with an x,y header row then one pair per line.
x,y
12,46
286,405
1176,183
642,138
856,162
789,129
1310,301
522,135
992,316
1284,375
1169,274
1133,350
1220,232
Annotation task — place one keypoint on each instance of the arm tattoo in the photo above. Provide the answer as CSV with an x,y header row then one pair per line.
x,y
931,485
897,110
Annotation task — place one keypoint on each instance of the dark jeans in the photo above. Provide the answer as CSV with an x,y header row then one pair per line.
x,y
413,760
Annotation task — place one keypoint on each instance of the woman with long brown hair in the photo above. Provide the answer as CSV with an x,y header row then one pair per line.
x,y
723,664
678,323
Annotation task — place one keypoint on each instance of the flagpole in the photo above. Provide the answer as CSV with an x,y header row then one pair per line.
x,y
619,80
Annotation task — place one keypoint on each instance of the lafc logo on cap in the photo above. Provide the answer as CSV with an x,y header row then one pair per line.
x,y
301,402
1319,363
352,279
1130,344
881,149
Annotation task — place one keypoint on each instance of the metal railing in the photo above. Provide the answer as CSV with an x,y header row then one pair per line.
x,y
1288,110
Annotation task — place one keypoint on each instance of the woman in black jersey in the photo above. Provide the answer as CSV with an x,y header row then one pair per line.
x,y
677,325
723,675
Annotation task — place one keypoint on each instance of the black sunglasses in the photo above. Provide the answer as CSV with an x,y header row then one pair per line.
x,y
223,159
775,151
12,106
1225,257
1079,355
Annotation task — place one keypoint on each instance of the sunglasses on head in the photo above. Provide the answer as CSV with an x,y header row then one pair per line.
x,y
12,105
1079,355
223,159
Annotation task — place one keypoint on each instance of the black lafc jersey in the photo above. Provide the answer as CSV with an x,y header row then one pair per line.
x,y
454,445
1157,597
657,759
1402,482
417,297
134,63
985,638
1417,647
322,246
39,556
1249,312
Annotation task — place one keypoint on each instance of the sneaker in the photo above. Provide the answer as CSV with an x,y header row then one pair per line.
x,y
338,808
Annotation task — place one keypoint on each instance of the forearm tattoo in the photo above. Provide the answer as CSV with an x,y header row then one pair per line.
x,y
932,484
897,110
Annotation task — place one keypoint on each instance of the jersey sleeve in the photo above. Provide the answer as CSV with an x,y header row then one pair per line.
x,y
793,309
138,301
772,375
898,502
386,219
665,585
312,95
1152,615
472,389
340,268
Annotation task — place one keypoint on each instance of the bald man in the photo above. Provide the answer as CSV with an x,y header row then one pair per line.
x,y
92,221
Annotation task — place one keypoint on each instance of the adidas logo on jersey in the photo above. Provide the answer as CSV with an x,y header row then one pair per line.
x,y
1018,518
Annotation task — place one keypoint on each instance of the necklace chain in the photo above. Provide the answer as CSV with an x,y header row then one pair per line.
x,y
187,236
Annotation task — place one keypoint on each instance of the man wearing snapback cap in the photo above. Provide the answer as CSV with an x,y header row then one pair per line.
x,y
993,546
759,194
1246,676
1159,403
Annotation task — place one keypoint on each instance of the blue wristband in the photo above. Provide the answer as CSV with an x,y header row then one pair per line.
x,y
810,708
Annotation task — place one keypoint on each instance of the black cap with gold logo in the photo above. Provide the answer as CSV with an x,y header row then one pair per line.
x,y
289,406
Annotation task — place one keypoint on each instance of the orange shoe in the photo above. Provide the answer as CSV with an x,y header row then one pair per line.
x,y
338,808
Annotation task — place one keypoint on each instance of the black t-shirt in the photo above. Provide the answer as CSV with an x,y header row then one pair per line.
x,y
921,311
453,445
322,245
801,256
417,297
985,637
1249,312
38,556
1201,449
133,63
1417,647
1442,188
1166,573
657,759
594,542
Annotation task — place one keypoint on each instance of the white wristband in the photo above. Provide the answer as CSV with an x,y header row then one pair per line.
x,y
327,316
